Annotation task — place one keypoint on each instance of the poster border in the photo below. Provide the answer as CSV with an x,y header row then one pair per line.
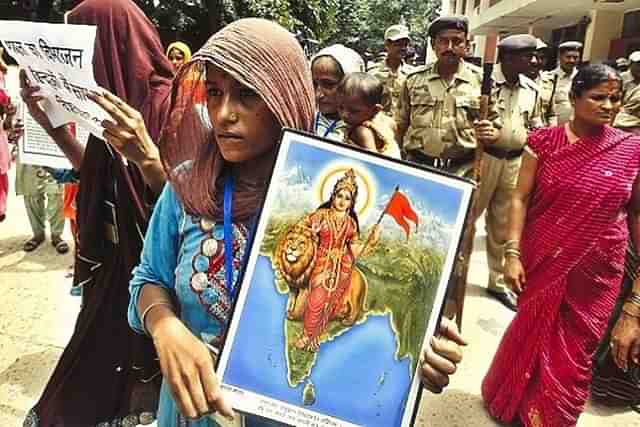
x,y
465,185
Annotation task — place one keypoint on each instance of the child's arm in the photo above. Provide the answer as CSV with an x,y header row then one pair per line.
x,y
364,137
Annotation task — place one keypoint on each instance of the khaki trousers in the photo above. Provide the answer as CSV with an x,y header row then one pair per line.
x,y
39,214
499,178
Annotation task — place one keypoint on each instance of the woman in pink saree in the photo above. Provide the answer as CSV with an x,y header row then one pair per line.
x,y
578,197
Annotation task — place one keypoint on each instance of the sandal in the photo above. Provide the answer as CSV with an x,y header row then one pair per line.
x,y
31,244
61,246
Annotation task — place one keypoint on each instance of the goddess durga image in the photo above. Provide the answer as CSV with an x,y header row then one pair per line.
x,y
317,258
336,229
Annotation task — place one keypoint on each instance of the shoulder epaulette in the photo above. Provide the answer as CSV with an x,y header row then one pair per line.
x,y
473,67
548,75
530,83
418,70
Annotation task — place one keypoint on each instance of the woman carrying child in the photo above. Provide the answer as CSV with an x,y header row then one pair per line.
x,y
328,68
360,100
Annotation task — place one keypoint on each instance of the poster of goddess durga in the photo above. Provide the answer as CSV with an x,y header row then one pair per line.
x,y
344,283
335,288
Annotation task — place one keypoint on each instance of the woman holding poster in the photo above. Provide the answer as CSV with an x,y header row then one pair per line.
x,y
183,290
107,374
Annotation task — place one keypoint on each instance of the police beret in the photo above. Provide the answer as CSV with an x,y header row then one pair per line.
x,y
540,44
570,46
442,23
622,62
518,43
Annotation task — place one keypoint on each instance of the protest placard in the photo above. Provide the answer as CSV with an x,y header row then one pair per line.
x,y
59,59
37,148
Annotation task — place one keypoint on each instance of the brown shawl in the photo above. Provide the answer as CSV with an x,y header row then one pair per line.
x,y
129,61
267,59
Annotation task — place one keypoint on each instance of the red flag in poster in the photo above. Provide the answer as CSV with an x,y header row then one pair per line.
x,y
400,209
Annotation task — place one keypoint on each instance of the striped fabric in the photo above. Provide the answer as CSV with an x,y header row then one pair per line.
x,y
610,385
573,248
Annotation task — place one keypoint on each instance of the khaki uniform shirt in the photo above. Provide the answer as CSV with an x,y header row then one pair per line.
x,y
545,89
519,108
561,103
392,83
628,85
629,115
438,116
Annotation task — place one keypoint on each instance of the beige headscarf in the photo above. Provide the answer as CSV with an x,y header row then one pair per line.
x,y
348,59
266,58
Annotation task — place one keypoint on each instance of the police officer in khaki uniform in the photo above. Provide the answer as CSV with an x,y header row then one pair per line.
x,y
439,106
518,104
545,87
392,70
629,117
569,54
622,64
631,77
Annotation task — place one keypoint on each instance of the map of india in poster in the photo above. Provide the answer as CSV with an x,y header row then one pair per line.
x,y
344,284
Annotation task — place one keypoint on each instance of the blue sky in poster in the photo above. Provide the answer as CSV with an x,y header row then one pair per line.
x,y
441,199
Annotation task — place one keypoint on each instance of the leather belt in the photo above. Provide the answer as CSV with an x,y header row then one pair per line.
x,y
440,162
502,153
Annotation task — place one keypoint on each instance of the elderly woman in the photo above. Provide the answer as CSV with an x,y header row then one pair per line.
x,y
328,68
577,199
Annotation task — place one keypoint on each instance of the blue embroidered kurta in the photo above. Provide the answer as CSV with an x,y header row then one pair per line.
x,y
185,255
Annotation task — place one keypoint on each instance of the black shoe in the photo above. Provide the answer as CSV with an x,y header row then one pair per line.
x,y
507,298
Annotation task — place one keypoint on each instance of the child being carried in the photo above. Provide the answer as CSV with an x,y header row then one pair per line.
x,y
360,97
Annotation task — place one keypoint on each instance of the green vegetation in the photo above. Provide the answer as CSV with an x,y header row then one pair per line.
x,y
359,24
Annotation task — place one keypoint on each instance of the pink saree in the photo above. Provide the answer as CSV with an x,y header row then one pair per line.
x,y
5,161
573,249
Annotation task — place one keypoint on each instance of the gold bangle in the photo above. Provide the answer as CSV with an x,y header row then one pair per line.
x,y
634,298
146,311
512,244
512,252
631,309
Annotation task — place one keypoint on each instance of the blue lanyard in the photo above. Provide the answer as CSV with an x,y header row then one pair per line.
x,y
228,236
330,129
232,288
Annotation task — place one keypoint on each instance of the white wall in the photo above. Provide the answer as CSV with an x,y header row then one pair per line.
x,y
604,27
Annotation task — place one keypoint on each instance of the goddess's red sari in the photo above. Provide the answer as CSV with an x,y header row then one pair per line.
x,y
331,274
573,249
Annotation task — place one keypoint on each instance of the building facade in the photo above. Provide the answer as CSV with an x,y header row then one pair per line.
x,y
608,29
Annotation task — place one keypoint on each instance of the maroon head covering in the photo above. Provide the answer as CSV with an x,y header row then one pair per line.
x,y
262,56
129,61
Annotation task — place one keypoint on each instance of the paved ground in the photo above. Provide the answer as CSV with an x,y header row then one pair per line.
x,y
37,316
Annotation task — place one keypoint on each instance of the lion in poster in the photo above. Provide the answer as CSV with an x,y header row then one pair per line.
x,y
295,257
